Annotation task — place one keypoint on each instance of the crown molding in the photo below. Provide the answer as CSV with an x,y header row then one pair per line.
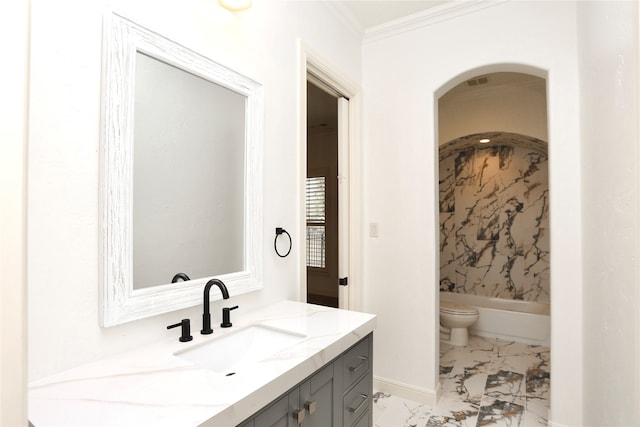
x,y
427,17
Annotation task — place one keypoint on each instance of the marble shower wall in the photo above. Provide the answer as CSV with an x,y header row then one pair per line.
x,y
494,217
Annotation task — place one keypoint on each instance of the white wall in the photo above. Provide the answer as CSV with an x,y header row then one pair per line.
x,y
609,49
401,76
63,180
14,43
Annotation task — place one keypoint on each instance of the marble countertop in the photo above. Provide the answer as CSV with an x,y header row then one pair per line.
x,y
152,386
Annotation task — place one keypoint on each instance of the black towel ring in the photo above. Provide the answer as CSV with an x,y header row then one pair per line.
x,y
279,231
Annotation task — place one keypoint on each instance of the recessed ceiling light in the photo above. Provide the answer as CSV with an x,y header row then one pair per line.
x,y
235,5
484,140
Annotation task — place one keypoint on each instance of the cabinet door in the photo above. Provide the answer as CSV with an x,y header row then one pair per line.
x,y
285,412
320,398
275,415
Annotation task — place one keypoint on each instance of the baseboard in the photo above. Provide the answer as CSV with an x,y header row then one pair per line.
x,y
552,424
406,391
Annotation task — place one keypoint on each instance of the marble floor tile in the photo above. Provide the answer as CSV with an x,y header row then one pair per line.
x,y
536,413
452,412
500,413
391,411
504,386
490,382
467,387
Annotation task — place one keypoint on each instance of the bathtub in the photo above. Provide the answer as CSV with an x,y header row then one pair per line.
x,y
522,321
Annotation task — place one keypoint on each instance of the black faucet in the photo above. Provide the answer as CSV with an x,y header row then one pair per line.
x,y
206,316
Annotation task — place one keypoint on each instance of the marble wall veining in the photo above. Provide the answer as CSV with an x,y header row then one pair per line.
x,y
494,217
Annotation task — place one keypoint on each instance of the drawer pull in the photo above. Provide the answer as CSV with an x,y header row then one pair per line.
x,y
363,360
311,406
357,408
298,415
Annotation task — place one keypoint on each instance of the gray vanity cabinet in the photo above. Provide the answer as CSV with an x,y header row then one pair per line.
x,y
356,365
337,395
310,404
318,397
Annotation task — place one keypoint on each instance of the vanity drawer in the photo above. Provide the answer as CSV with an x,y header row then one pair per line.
x,y
357,402
365,421
356,362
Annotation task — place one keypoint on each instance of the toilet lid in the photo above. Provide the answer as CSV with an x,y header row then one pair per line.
x,y
456,308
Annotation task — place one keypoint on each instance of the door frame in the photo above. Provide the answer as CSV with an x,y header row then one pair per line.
x,y
312,63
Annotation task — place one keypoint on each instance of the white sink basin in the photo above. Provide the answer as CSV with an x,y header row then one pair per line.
x,y
229,353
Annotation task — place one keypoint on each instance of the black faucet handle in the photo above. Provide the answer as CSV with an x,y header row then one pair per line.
x,y
186,330
226,317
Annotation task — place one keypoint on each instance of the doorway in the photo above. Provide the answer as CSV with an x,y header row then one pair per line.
x,y
330,102
322,205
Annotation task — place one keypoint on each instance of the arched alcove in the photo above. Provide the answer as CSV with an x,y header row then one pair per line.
x,y
493,202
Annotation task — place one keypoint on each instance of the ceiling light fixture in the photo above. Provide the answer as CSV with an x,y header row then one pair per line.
x,y
235,5
484,140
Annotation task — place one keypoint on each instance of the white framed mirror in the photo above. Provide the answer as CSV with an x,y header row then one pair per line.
x,y
181,175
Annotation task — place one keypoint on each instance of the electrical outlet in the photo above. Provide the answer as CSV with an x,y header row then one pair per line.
x,y
373,229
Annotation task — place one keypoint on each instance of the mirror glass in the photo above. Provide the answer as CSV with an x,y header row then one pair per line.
x,y
188,175
181,175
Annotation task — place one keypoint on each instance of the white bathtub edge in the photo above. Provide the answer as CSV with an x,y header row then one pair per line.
x,y
506,337
496,320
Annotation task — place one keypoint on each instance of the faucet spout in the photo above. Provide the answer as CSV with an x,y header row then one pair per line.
x,y
180,276
206,315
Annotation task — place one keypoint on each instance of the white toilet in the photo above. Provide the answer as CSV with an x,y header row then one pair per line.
x,y
454,320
